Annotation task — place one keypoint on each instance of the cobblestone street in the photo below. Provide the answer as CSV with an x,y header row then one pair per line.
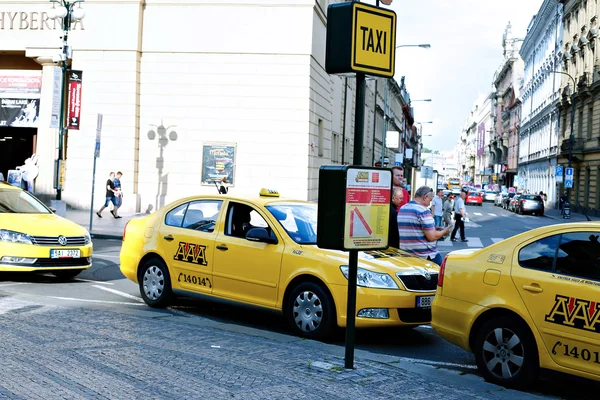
x,y
50,352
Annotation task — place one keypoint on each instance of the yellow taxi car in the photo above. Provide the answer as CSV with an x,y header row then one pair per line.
x,y
525,303
33,238
261,251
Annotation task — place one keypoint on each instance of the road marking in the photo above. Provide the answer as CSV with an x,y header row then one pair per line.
x,y
496,240
117,292
492,214
474,242
440,363
96,301
101,255
478,214
15,284
444,243
89,280
505,216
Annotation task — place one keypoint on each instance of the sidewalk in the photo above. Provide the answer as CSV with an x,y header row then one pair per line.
x,y
575,217
106,227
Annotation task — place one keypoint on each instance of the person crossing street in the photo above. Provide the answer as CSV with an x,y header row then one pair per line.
x,y
460,214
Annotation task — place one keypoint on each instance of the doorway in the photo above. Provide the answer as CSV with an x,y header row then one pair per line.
x,y
16,145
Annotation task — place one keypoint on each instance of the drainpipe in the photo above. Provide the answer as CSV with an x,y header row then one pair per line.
x,y
344,117
374,123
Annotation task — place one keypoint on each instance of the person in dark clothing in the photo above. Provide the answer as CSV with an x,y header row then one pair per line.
x,y
110,194
393,235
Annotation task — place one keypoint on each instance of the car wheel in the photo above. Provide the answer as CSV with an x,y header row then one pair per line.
x,y
310,311
506,353
66,274
155,283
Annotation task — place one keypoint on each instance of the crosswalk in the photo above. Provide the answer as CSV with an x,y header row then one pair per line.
x,y
473,243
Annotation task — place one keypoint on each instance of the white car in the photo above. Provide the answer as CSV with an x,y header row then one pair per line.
x,y
489,195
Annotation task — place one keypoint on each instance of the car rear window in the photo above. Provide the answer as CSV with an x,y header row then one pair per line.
x,y
531,197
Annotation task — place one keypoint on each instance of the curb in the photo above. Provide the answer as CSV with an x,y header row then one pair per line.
x,y
106,236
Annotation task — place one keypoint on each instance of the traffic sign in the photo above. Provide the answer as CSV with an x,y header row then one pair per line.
x,y
569,178
397,163
559,174
426,172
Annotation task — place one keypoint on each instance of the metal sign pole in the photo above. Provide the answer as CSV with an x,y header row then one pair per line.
x,y
351,310
96,155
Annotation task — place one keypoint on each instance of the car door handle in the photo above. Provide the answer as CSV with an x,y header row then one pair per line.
x,y
169,237
533,288
222,247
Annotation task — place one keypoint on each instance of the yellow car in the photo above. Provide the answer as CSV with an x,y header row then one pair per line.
x,y
525,303
261,251
33,238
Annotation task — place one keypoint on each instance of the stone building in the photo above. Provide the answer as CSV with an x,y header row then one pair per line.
x,y
581,86
250,101
538,149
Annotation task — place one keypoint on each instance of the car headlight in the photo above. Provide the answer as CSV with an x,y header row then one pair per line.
x,y
370,279
14,237
87,237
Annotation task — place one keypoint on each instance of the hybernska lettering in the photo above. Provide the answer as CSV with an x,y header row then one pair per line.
x,y
576,313
33,21
192,253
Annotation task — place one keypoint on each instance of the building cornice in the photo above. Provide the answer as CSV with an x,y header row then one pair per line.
x,y
547,11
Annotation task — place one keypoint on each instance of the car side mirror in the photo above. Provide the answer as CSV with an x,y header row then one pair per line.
x,y
261,235
53,210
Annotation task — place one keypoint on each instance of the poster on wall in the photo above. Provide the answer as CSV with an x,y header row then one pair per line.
x,y
75,86
21,84
218,162
20,113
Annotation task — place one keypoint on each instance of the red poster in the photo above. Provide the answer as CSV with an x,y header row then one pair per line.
x,y
75,83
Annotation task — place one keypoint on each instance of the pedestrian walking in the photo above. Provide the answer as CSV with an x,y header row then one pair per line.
x,y
459,215
437,208
118,195
399,181
448,207
393,235
418,233
110,194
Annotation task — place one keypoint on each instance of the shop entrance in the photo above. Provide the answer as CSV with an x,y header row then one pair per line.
x,y
16,145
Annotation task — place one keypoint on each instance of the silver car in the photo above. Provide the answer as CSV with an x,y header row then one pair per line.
x,y
489,195
498,199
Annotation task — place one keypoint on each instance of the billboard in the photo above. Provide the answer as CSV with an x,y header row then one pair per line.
x,y
23,113
481,140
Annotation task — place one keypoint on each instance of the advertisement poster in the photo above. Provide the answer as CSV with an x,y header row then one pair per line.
x,y
368,196
218,162
14,177
21,113
480,140
74,112
26,84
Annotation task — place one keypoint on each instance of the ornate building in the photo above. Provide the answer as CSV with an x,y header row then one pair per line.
x,y
538,138
581,86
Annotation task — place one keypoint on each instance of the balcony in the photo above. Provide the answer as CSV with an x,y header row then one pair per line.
x,y
577,150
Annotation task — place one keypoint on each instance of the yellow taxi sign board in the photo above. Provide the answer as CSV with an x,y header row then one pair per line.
x,y
268,193
373,40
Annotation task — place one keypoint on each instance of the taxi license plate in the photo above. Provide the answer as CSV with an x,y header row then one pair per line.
x,y
424,301
65,253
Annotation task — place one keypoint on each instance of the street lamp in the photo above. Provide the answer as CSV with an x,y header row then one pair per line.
x,y
66,12
423,46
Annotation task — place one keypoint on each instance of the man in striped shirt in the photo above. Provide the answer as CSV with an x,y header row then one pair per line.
x,y
418,233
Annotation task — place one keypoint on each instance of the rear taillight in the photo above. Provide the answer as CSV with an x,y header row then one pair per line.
x,y
442,270
522,201
125,230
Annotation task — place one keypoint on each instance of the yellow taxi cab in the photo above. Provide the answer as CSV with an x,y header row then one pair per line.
x,y
261,251
33,238
524,304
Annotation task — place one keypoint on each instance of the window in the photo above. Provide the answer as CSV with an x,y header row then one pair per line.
x,y
298,219
579,255
588,182
335,147
202,215
347,152
539,254
175,216
321,139
241,218
580,124
590,120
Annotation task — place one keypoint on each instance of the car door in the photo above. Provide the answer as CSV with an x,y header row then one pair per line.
x,y
558,278
246,270
186,240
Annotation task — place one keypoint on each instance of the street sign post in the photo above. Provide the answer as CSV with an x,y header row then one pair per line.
x,y
426,173
559,174
569,178
96,155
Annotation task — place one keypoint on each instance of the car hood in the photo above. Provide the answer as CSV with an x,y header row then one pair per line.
x,y
388,261
40,225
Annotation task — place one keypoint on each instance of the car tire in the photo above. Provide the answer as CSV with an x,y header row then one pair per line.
x,y
155,283
310,311
498,362
66,274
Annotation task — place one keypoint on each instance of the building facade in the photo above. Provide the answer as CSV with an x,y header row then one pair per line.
x,y
538,137
179,112
581,85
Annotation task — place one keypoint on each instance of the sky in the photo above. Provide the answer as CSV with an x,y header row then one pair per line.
x,y
466,50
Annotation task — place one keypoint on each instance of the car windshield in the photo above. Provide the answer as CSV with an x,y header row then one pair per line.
x,y
298,219
21,202
531,197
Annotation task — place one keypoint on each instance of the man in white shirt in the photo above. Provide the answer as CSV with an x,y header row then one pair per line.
x,y
437,208
459,215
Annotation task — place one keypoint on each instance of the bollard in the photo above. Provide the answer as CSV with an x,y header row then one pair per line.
x,y
567,210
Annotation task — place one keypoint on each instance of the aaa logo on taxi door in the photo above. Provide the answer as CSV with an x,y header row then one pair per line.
x,y
576,313
192,253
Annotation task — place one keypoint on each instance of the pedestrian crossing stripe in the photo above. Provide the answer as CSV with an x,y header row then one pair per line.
x,y
496,240
473,243
478,214
493,215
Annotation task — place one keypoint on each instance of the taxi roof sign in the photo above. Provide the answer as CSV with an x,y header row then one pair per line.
x,y
268,193
360,38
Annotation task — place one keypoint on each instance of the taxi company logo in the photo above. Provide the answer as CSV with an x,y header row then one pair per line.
x,y
424,273
576,313
192,253
362,176
62,240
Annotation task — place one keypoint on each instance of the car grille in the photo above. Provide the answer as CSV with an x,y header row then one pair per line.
x,y
419,282
53,240
411,315
62,262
